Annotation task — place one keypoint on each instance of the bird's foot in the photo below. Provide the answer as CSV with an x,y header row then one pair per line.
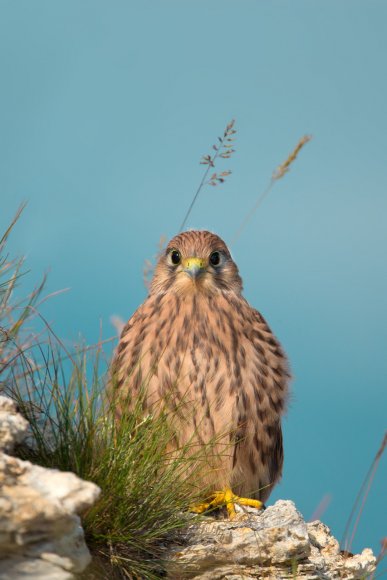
x,y
229,499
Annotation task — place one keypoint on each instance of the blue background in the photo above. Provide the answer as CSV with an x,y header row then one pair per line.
x,y
105,111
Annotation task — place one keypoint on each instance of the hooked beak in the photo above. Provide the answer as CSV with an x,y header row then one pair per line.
x,y
194,266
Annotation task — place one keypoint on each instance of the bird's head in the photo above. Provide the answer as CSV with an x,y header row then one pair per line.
x,y
196,261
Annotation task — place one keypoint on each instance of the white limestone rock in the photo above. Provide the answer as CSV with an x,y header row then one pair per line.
x,y
40,529
13,427
22,568
41,534
275,543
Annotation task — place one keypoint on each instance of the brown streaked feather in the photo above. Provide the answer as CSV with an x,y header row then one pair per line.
x,y
199,345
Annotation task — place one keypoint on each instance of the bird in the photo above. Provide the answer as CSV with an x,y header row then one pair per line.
x,y
196,339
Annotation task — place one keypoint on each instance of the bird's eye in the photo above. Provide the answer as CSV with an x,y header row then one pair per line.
x,y
215,258
175,257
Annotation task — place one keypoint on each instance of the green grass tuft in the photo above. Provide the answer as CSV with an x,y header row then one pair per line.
x,y
146,490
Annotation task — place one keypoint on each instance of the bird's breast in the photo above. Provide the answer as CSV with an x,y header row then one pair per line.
x,y
216,349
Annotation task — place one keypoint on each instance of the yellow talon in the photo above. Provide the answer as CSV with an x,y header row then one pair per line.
x,y
250,502
229,499
200,508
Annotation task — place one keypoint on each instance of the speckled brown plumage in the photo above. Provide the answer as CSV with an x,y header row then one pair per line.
x,y
198,345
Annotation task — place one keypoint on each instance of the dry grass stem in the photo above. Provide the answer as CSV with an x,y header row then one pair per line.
x,y
277,174
321,507
285,166
223,149
149,265
380,557
362,496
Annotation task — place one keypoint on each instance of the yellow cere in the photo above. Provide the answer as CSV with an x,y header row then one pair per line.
x,y
194,264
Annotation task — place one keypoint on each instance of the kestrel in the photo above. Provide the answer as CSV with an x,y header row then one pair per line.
x,y
196,339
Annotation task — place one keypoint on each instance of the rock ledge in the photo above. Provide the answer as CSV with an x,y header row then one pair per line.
x,y
41,534
276,543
